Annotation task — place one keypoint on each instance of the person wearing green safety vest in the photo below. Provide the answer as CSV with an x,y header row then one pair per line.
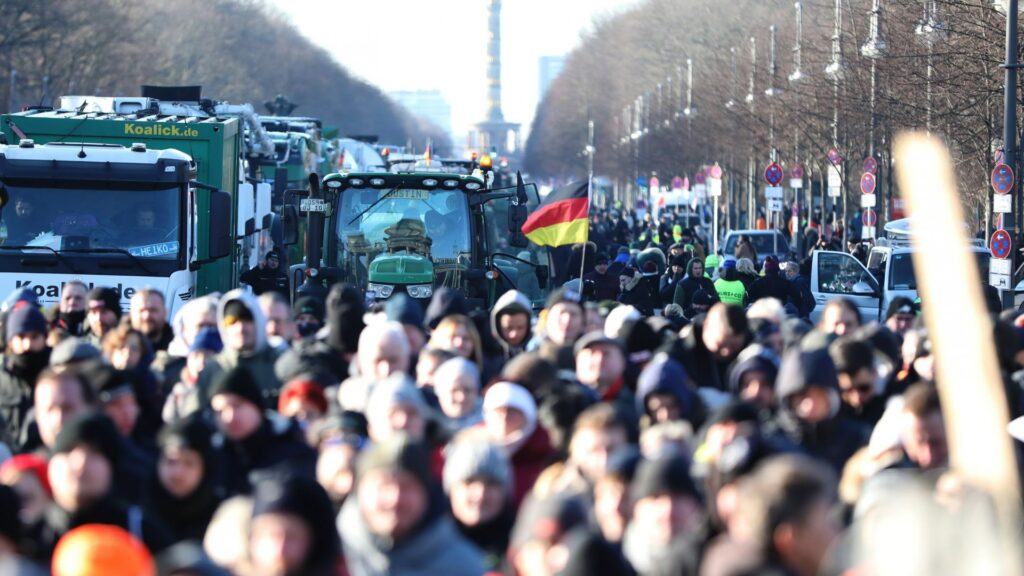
x,y
729,287
677,233
711,266
650,234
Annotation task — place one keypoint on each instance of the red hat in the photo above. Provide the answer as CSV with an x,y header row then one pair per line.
x,y
305,389
28,463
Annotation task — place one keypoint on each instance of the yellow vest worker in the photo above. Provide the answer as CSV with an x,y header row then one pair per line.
x,y
730,289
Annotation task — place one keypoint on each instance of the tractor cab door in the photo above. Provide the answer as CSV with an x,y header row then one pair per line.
x,y
838,274
519,263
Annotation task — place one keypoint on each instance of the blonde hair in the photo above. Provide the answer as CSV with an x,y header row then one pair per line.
x,y
448,325
746,266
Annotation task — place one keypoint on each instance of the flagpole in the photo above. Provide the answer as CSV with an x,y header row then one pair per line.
x,y
590,184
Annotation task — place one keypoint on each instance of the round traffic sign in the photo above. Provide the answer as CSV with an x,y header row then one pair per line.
x,y
834,157
715,171
1000,245
871,165
796,172
700,177
655,183
773,174
869,218
867,183
1002,179
677,183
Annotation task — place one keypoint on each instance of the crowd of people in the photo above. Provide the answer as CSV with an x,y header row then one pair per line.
x,y
254,435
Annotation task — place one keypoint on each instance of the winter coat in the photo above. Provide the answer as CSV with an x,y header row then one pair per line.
x,y
807,303
492,537
512,301
276,445
667,286
774,285
436,547
606,286
689,286
703,367
17,382
260,360
529,461
138,521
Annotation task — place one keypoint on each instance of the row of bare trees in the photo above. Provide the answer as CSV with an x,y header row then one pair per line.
x,y
939,69
238,50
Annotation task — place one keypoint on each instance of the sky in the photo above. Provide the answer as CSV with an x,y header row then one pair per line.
x,y
442,45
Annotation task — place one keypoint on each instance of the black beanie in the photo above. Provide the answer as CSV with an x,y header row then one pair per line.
x,y
238,381
398,453
346,325
191,433
303,497
109,297
109,383
308,305
238,309
94,429
668,474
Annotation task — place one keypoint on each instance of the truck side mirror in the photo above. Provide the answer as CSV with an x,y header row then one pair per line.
x,y
289,225
220,231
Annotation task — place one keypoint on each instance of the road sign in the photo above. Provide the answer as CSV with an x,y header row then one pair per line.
x,y
1000,245
714,186
715,171
867,183
773,192
773,174
867,232
1002,179
796,183
868,200
999,273
796,171
677,183
869,218
834,157
834,191
312,205
871,165
775,204
655,183
1002,203
700,192
835,177
700,177
641,181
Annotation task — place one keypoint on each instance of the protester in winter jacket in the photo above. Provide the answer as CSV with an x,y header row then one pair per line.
x,y
478,483
729,287
752,378
671,278
255,441
103,313
512,322
186,492
604,280
747,272
563,325
69,314
601,366
82,473
293,530
713,344
129,350
26,356
809,415
663,393
189,320
148,314
510,421
241,325
859,389
397,520
635,291
184,397
688,286
774,285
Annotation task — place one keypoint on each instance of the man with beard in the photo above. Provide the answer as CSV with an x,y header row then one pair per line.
x,y
27,355
148,314
103,313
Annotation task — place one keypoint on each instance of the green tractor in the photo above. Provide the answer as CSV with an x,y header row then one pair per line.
x,y
415,232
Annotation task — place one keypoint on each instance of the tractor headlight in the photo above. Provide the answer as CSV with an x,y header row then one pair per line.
x,y
420,290
381,290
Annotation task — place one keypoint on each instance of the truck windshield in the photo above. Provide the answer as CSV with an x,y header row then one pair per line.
x,y
901,271
142,220
434,222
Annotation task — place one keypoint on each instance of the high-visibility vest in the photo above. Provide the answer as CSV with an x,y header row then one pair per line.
x,y
730,291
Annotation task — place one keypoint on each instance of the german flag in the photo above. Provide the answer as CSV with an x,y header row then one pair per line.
x,y
562,218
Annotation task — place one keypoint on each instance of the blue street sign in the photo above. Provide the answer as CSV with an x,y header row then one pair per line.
x,y
1000,246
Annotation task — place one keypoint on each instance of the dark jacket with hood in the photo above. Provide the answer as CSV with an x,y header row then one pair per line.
x,y
834,439
188,517
275,446
664,375
303,498
704,367
18,375
511,302
688,286
774,285
260,360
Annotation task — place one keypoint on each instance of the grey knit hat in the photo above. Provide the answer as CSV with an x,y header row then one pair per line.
x,y
476,458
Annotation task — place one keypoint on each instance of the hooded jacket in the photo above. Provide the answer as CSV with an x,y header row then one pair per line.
x,y
688,286
18,375
774,285
664,375
511,302
276,446
434,546
260,360
835,438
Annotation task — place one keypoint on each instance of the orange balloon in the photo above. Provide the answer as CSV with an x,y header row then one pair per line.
x,y
101,549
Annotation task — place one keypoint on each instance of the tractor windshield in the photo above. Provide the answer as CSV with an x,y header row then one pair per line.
x,y
374,221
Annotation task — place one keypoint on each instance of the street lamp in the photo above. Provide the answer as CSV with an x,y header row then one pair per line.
x,y
753,70
1001,7
874,49
1011,9
931,31
731,102
690,110
798,76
